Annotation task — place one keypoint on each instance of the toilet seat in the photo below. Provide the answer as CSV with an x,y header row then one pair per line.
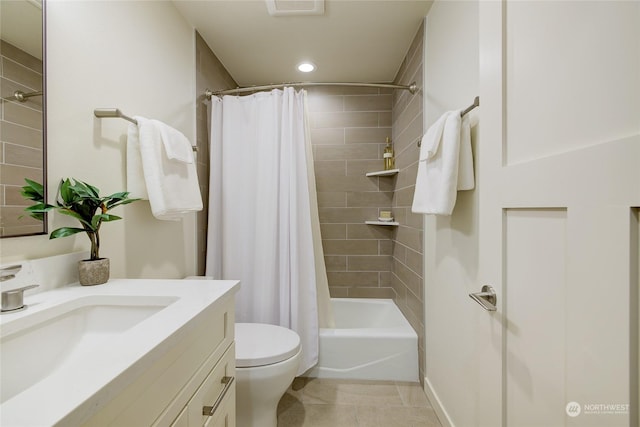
x,y
259,344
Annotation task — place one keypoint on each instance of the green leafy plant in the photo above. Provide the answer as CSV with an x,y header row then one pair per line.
x,y
79,200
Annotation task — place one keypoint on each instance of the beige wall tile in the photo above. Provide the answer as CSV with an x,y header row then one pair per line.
x,y
327,136
353,278
339,291
15,175
379,199
8,88
361,167
14,216
414,261
404,196
344,120
20,115
350,247
345,183
365,231
18,55
385,119
341,90
335,263
411,280
364,292
22,156
384,280
332,199
333,231
21,230
330,167
407,118
11,196
360,135
368,103
407,177
346,215
21,74
346,152
385,247
210,74
325,103
411,237
369,263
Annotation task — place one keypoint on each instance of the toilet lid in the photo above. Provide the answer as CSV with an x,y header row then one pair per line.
x,y
259,344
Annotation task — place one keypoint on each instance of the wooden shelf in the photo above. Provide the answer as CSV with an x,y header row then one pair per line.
x,y
387,223
384,173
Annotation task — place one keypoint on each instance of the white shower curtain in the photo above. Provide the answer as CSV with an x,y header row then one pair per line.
x,y
261,229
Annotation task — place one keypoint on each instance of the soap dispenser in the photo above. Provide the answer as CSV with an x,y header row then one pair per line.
x,y
389,161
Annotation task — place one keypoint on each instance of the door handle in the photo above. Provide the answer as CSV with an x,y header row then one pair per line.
x,y
486,298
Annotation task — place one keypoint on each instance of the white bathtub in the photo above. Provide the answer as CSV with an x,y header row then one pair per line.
x,y
372,341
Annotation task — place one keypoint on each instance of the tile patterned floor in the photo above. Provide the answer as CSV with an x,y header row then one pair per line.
x,y
313,402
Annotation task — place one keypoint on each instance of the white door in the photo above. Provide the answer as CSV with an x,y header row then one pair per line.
x,y
559,179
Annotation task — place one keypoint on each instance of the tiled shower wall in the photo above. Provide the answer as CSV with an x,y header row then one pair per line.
x,y
407,277
210,74
348,131
21,150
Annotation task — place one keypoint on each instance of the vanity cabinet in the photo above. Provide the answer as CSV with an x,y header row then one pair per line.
x,y
197,371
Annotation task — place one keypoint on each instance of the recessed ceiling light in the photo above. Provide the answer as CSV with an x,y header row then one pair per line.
x,y
306,67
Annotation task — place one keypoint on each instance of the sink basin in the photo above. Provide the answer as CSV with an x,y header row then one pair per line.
x,y
77,348
63,336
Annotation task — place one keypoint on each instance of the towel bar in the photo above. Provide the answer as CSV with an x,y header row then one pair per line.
x,y
476,103
104,113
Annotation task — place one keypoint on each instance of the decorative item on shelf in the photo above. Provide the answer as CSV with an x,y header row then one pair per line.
x,y
389,160
385,216
81,201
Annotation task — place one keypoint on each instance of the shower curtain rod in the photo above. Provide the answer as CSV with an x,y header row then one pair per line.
x,y
413,88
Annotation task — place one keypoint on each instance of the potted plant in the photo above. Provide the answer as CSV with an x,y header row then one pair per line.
x,y
82,202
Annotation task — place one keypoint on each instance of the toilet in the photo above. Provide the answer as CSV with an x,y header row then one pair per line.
x,y
267,360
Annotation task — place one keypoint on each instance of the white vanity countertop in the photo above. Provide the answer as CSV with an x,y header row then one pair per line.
x,y
71,394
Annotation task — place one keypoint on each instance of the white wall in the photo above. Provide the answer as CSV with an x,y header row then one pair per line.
x,y
451,243
138,56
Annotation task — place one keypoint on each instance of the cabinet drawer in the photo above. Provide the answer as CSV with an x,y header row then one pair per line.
x,y
216,395
182,420
225,416
160,393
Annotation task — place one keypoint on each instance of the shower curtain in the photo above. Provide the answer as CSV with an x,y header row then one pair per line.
x,y
263,220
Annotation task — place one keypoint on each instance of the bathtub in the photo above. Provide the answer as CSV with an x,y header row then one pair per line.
x,y
372,340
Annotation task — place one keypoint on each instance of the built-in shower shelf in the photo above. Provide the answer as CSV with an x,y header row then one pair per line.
x,y
387,223
384,173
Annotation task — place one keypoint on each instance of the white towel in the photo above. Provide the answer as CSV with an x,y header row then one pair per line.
x,y
439,175
466,180
172,183
136,186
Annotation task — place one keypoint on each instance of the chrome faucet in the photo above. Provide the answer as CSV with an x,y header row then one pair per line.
x,y
13,300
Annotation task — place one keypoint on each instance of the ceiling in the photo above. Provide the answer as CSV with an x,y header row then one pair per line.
x,y
352,41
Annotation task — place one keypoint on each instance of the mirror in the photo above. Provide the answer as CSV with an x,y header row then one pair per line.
x,y
22,109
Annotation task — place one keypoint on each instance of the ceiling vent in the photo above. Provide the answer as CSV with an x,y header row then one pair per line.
x,y
295,7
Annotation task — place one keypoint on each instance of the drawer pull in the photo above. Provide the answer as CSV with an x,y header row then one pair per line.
x,y
209,410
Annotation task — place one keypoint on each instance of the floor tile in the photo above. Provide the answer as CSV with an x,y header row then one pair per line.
x,y
413,395
313,402
322,391
375,416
